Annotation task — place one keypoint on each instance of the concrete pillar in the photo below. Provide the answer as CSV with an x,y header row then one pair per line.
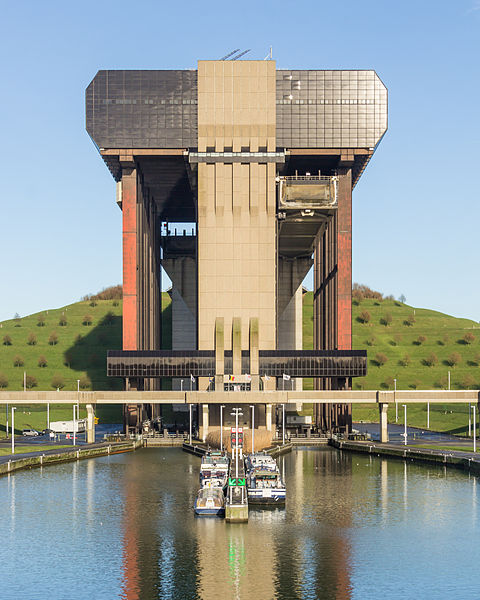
x,y
204,421
237,345
254,355
219,353
90,424
268,417
383,420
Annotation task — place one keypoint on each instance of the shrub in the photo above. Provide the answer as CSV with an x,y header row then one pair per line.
x,y
30,382
398,338
18,361
468,338
416,384
93,302
476,359
410,320
62,321
454,359
357,296
115,303
41,320
32,339
42,361
53,338
364,316
405,361
386,319
114,292
18,320
371,341
381,359
3,380
85,382
366,291
466,382
431,360
109,318
443,382
57,382
87,320
446,339
389,382
7,340
421,339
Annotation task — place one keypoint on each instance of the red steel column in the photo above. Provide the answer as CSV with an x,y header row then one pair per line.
x,y
344,260
130,290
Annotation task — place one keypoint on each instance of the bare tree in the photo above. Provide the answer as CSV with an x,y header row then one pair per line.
x,y
32,339
454,359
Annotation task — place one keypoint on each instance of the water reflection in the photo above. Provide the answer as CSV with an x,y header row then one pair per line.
x,y
128,520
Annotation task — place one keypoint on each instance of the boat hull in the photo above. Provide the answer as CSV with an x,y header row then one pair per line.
x,y
258,497
209,512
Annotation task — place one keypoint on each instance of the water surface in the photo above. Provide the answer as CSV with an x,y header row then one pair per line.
x,y
353,527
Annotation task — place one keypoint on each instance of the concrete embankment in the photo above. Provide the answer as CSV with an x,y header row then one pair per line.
x,y
459,460
279,450
49,458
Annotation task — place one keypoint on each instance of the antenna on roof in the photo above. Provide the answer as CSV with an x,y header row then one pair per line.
x,y
230,54
240,55
269,55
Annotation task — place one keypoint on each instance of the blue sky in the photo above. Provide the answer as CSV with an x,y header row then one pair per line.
x,y
416,208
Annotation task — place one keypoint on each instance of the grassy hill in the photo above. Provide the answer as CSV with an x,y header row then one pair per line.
x,y
417,347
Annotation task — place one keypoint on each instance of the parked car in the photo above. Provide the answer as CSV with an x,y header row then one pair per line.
x,y
30,432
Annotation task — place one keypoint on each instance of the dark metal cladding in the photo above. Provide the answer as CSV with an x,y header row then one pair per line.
x,y
143,109
201,363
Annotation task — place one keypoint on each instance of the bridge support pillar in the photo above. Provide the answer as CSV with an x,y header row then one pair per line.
x,y
383,420
90,424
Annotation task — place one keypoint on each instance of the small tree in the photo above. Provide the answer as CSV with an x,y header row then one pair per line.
x,y
389,382
371,341
421,339
62,321
30,382
467,381
431,360
42,361
405,361
416,384
410,321
468,338
93,302
32,339
443,382
364,316
53,338
85,382
445,339
57,382
402,298
476,359
398,338
109,318
18,320
386,319
115,303
18,361
381,359
454,359
41,320
87,320
7,340
3,380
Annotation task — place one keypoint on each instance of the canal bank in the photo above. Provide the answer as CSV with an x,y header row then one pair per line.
x,y
449,458
11,464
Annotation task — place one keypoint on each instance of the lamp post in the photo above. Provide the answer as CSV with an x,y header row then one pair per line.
x,y
6,420
405,424
236,413
222,406
283,424
252,406
190,425
78,398
74,425
469,420
395,398
428,414
14,408
474,429
181,385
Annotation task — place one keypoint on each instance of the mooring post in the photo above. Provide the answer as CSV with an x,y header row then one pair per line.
x,y
383,418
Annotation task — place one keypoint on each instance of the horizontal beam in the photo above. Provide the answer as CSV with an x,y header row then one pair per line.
x,y
253,397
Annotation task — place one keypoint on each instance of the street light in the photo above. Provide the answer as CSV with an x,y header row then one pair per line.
x,y
252,406
14,408
74,424
190,429
405,424
222,406
235,414
283,424
474,429
181,385
78,398
395,398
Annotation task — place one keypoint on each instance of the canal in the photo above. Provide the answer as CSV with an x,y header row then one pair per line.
x,y
353,527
